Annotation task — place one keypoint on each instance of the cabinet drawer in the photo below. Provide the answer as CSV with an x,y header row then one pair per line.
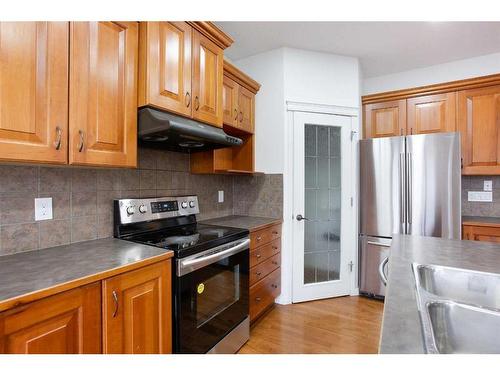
x,y
264,236
263,294
265,268
264,252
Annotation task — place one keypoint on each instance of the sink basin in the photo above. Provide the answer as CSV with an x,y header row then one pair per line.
x,y
459,309
460,285
459,328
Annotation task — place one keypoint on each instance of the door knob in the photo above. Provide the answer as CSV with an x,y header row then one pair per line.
x,y
299,217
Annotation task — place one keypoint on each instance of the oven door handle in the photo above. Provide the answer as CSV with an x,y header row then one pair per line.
x,y
189,265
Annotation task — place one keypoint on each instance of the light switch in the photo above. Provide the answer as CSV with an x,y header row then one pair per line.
x,y
488,185
480,196
43,209
221,196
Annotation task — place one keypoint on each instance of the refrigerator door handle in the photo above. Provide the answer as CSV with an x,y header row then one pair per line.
x,y
409,193
381,272
378,244
402,191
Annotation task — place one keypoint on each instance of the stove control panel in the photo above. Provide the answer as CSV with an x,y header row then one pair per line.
x,y
146,209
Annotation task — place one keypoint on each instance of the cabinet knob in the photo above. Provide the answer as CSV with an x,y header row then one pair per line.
x,y
196,103
274,286
258,256
187,99
275,232
259,238
275,247
258,273
81,143
57,143
257,299
275,263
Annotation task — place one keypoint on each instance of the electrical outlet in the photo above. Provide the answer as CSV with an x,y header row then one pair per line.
x,y
43,209
488,185
480,196
221,196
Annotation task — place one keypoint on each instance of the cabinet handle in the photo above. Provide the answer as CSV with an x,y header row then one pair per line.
x,y
258,256
187,100
275,247
275,263
258,273
196,103
57,143
259,238
115,299
80,145
275,232
235,114
257,299
274,286
241,116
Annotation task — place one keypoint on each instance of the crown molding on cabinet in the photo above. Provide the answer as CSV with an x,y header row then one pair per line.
x,y
440,88
241,78
212,32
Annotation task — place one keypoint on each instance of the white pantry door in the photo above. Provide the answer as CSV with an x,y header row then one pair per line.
x,y
323,221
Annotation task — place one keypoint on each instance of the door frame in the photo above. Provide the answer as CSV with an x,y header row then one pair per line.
x,y
288,217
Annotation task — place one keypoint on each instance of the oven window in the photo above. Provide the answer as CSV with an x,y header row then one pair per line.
x,y
216,294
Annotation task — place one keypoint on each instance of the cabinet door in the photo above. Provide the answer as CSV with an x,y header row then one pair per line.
x,y
103,93
479,124
34,91
432,113
246,105
385,119
66,323
230,101
207,80
137,311
165,66
481,233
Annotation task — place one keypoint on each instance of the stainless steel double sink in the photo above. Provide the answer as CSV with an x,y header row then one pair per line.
x,y
459,309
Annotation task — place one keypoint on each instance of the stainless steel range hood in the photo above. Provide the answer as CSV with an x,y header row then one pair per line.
x,y
161,130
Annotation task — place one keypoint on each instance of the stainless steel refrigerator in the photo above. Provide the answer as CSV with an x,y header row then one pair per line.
x,y
408,185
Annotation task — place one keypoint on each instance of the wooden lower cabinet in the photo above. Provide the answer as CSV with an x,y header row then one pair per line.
x,y
66,323
136,306
488,233
265,271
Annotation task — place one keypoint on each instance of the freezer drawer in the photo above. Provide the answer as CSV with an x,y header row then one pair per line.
x,y
373,252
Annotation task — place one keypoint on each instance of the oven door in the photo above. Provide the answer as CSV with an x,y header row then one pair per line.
x,y
211,296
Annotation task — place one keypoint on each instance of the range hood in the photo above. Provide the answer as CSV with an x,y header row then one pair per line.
x,y
161,130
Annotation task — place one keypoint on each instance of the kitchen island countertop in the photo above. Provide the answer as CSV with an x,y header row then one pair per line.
x,y
31,275
401,332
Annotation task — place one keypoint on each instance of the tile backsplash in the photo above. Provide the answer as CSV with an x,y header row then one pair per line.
x,y
82,197
487,209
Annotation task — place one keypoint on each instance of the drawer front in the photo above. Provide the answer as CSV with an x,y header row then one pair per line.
x,y
264,252
265,268
264,236
263,294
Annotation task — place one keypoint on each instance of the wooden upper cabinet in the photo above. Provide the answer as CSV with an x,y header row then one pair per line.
x,y
66,323
431,113
34,91
479,124
103,93
137,311
385,119
230,102
165,66
208,59
246,105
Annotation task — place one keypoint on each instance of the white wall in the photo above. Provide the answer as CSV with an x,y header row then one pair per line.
x,y
452,71
321,78
267,69
300,76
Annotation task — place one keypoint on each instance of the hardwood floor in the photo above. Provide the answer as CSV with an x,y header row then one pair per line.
x,y
336,325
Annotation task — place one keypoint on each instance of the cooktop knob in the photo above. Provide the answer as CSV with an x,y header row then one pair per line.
x,y
130,210
143,209
191,204
184,204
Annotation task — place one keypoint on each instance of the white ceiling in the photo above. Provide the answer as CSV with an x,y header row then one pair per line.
x,y
382,47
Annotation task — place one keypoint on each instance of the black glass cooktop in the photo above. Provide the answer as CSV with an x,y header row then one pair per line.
x,y
189,239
